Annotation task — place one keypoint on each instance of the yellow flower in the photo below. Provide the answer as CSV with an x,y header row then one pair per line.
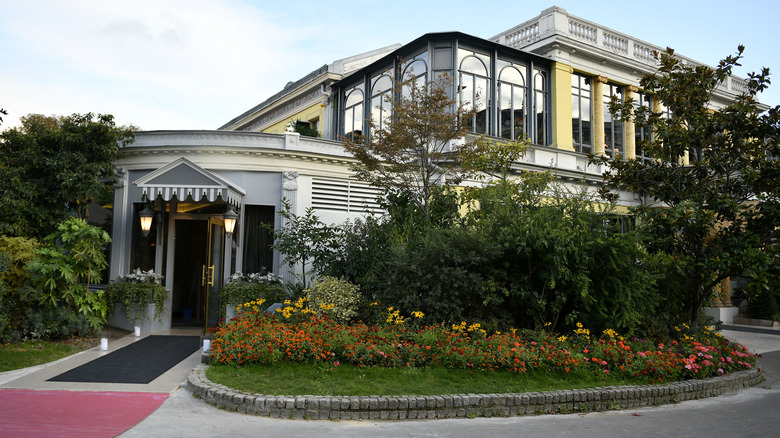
x,y
579,325
417,314
561,338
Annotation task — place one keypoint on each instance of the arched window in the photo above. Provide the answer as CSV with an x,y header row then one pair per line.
x,y
511,87
417,68
353,112
381,107
473,88
540,105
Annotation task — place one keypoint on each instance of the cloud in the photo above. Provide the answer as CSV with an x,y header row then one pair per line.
x,y
192,55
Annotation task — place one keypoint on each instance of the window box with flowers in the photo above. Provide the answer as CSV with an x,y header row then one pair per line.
x,y
135,293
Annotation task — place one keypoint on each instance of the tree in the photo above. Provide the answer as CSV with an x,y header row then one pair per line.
x,y
4,113
54,167
417,147
304,240
717,215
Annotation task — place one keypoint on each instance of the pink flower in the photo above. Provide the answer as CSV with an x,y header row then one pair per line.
x,y
603,362
336,363
720,370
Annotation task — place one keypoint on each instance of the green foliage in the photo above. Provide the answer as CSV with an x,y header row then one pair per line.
x,y
766,304
363,244
65,266
15,300
337,298
449,275
134,292
242,288
52,168
303,240
721,210
303,128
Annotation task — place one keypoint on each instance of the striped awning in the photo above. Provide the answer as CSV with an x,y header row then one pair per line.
x,y
183,179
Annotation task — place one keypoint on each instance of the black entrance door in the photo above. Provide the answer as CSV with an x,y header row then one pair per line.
x,y
188,301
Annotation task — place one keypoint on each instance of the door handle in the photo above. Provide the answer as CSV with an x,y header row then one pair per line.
x,y
209,275
207,278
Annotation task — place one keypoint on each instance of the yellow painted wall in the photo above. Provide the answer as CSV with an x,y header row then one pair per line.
x,y
315,111
561,106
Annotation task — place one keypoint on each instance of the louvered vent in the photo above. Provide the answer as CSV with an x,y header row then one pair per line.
x,y
344,195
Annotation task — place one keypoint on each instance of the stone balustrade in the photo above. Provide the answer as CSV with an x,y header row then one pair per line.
x,y
556,22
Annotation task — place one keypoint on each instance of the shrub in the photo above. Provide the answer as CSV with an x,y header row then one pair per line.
x,y
70,260
15,304
449,275
242,288
336,297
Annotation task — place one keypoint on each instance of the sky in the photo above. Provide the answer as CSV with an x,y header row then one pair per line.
x,y
197,64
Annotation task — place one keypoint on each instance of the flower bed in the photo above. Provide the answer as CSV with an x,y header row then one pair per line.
x,y
298,334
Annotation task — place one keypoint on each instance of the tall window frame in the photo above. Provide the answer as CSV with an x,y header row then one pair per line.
x,y
582,113
512,97
381,100
474,87
614,130
354,115
642,133
540,105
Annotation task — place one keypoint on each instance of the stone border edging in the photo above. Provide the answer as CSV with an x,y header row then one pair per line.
x,y
462,405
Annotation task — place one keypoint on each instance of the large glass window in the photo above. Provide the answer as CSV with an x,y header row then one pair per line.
x,y
474,86
540,106
353,112
642,134
614,138
416,67
581,114
511,90
381,106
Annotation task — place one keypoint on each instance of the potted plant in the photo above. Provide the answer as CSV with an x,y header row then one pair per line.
x,y
242,288
134,292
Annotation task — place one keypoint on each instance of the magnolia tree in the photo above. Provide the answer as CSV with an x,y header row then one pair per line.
x,y
717,214
420,145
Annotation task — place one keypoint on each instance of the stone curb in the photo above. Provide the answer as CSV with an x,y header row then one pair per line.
x,y
312,407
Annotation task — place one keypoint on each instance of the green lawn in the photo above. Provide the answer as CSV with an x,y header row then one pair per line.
x,y
30,353
347,380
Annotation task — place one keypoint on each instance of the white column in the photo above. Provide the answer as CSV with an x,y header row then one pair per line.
x,y
289,193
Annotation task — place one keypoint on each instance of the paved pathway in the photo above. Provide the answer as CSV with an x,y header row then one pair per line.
x,y
753,412
31,406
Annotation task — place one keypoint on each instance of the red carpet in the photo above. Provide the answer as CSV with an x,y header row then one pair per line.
x,y
27,413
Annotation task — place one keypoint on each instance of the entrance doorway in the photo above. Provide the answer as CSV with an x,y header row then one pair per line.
x,y
197,272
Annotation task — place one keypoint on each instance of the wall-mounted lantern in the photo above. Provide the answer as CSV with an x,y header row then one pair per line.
x,y
230,218
146,216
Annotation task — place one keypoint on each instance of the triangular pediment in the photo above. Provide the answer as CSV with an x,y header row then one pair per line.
x,y
183,178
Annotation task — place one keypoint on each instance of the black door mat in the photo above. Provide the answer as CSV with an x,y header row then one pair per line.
x,y
140,362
